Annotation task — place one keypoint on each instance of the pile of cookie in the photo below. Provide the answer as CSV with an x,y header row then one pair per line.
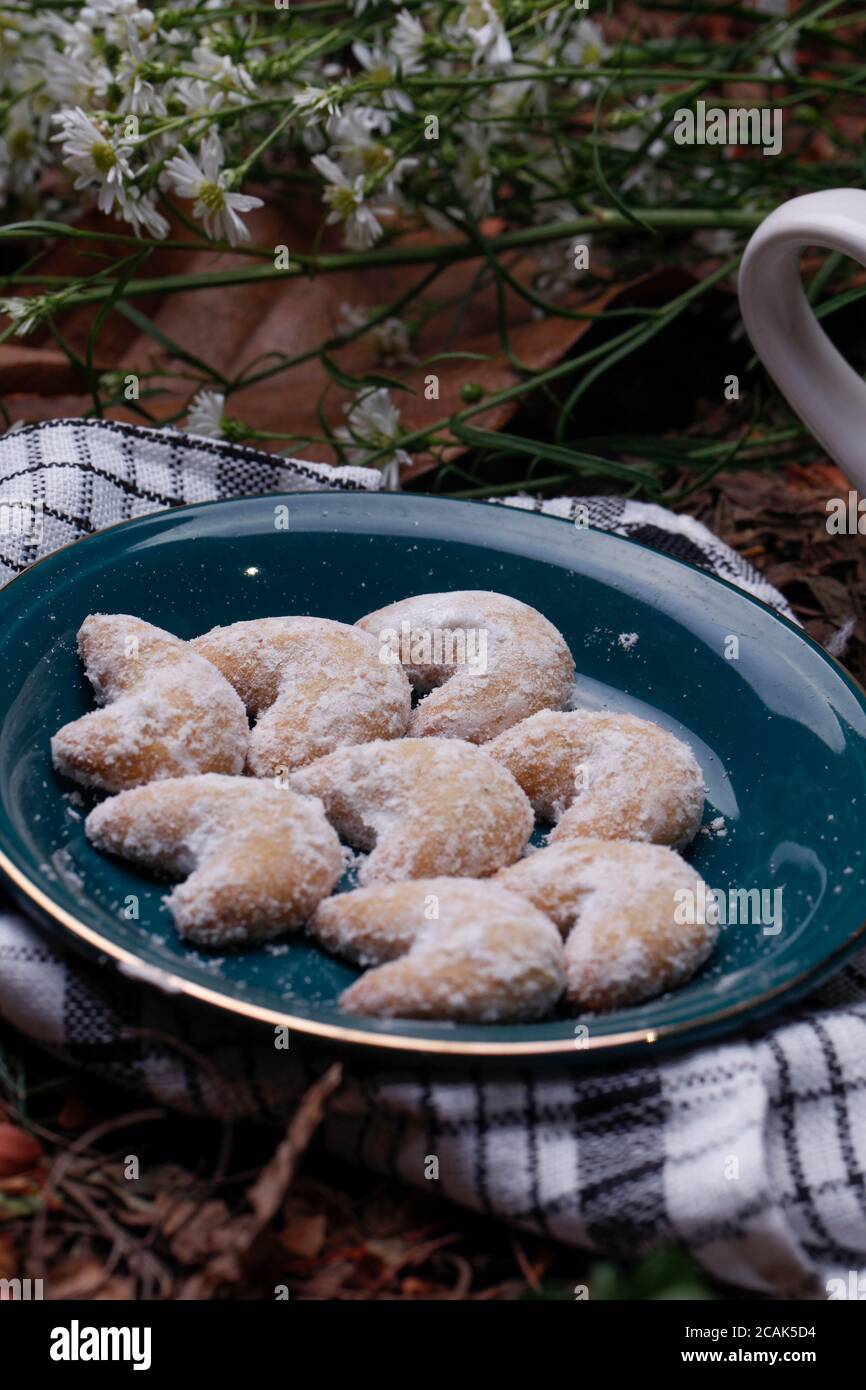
x,y
456,916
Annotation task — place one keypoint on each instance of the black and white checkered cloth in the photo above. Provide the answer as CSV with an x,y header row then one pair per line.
x,y
752,1153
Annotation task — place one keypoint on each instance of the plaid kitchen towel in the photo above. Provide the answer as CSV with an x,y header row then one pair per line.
x,y
751,1153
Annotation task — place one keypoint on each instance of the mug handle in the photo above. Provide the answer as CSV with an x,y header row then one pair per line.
x,y
823,389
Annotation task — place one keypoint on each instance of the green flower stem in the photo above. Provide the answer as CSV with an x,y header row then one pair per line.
x,y
508,489
625,73
665,315
845,21
343,339
659,219
468,80
241,170
21,231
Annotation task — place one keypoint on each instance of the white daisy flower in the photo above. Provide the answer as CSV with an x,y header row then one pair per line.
x,y
207,184
390,180
717,241
138,95
96,155
406,42
12,39
354,130
481,23
382,68
123,24
26,314
73,79
473,176
352,137
627,130
22,154
197,96
345,197
585,48
205,414
316,101
389,339
230,79
140,210
780,64
541,52
373,423
558,260
351,317
391,343
100,13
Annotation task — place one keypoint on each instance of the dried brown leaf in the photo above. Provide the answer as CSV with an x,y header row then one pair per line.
x,y
233,327
196,1237
76,1278
267,1192
305,1235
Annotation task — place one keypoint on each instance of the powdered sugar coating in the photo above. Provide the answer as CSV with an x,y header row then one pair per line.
x,y
616,904
487,957
528,664
605,776
168,711
372,925
255,859
312,685
423,806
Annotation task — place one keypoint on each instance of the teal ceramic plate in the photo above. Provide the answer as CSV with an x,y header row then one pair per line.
x,y
778,728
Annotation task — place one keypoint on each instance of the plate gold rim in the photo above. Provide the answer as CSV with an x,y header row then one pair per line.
x,y
164,979
170,983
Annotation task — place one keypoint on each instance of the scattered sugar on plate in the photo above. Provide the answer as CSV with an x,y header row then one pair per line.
x,y
716,828
65,870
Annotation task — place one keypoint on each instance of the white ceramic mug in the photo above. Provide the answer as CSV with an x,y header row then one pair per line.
x,y
824,390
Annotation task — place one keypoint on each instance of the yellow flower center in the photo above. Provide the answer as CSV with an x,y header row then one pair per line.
x,y
20,144
10,35
212,196
103,156
343,200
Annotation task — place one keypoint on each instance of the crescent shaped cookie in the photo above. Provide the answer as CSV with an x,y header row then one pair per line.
x,y
255,859
605,776
444,948
482,661
422,806
167,712
624,910
310,684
